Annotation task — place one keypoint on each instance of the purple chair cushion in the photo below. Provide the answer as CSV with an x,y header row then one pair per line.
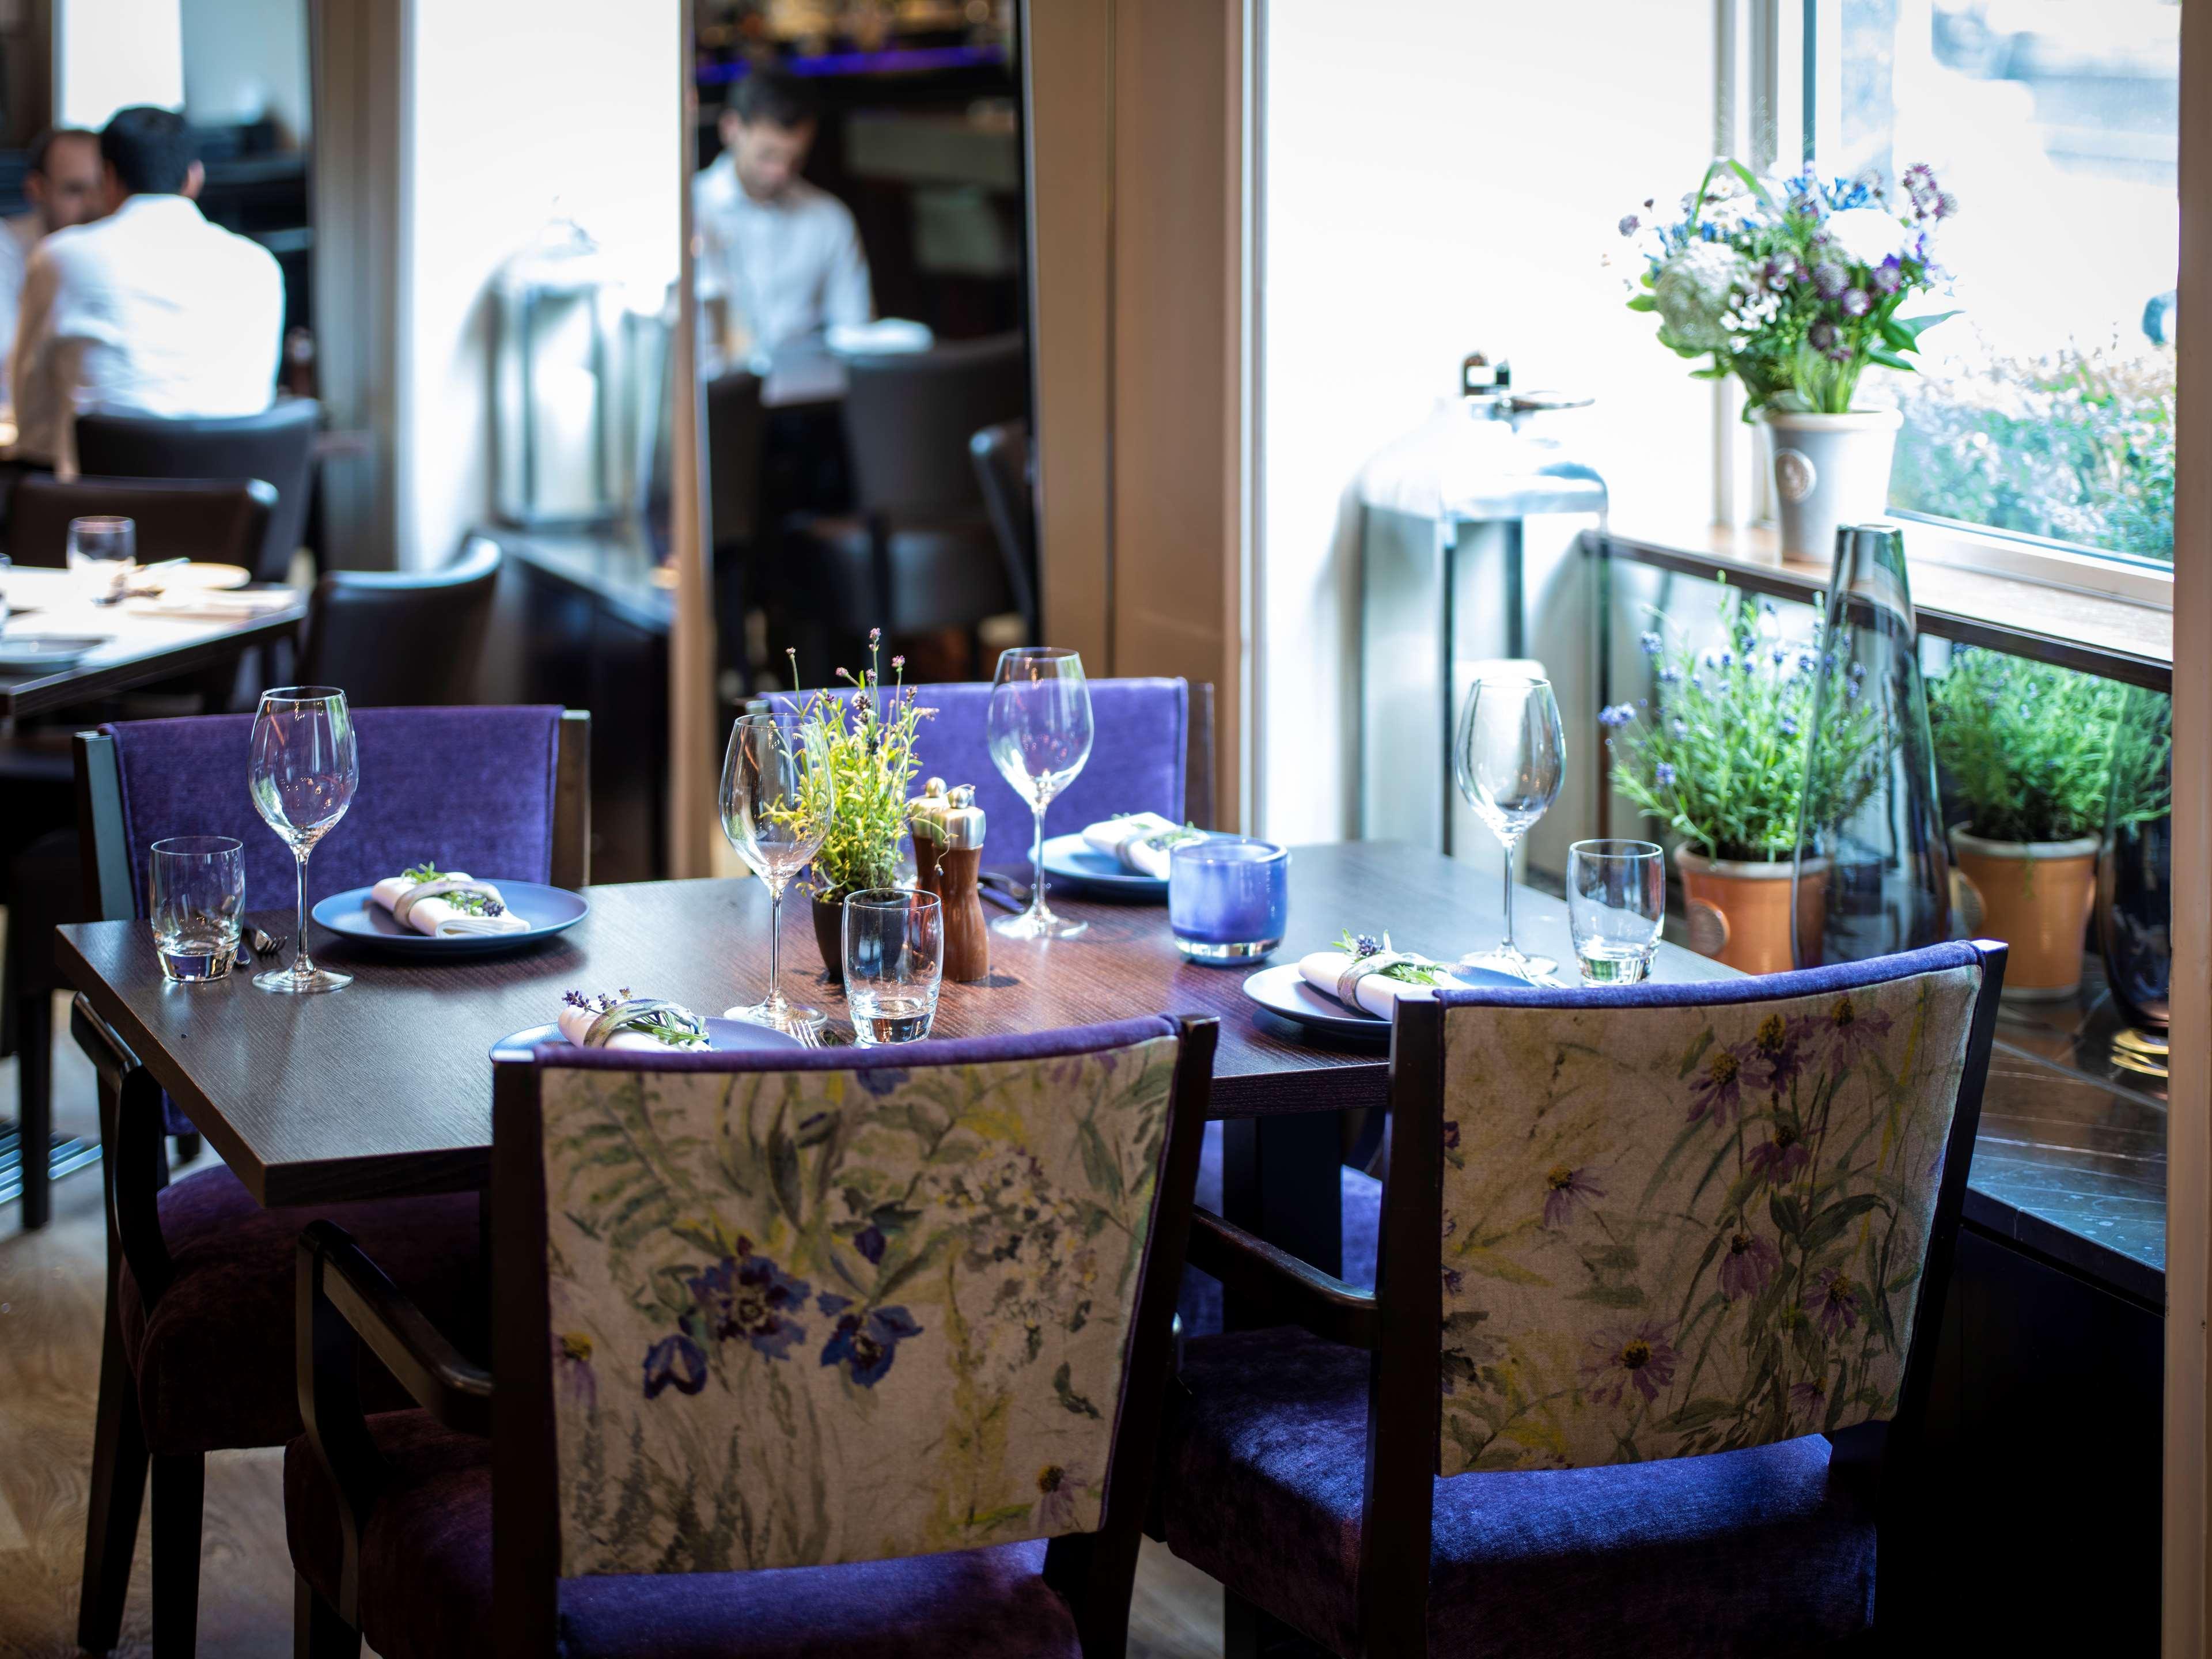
x,y
1199,1302
467,788
426,1580
215,1360
1140,733
1738,1553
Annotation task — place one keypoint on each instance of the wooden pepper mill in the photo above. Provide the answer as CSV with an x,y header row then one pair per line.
x,y
967,935
925,816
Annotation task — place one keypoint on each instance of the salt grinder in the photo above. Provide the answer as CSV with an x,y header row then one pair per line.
x,y
926,817
967,936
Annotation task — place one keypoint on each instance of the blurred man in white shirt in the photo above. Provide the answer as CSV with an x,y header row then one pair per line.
x,y
150,311
62,182
783,255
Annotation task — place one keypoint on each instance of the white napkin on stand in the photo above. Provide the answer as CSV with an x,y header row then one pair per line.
x,y
576,1025
433,916
1134,841
1376,994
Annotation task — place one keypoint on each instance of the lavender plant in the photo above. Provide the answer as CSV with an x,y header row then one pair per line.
x,y
1793,286
860,745
1720,759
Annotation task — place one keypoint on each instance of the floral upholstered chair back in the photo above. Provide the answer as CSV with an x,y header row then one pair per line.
x,y
1676,1230
820,1316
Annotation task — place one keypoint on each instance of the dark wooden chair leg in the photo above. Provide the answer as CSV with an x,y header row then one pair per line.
x,y
188,1148
1249,1631
35,1091
119,1489
179,1478
318,1632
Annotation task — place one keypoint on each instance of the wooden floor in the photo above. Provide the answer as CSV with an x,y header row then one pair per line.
x,y
50,1314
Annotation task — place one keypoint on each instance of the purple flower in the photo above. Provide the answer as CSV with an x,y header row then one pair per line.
x,y
1855,302
880,1080
1775,1057
1057,1490
1617,716
1776,1161
1455,1281
1631,223
870,1243
1746,1263
1829,281
866,1343
1651,644
675,1359
749,1297
571,1359
1624,1357
1835,1300
1678,727
1663,774
1809,1398
1854,1031
1822,335
1720,1091
1887,278
1451,1135
1566,1189
1946,205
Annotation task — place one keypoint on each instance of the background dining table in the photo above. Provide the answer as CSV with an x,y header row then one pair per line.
x,y
384,1089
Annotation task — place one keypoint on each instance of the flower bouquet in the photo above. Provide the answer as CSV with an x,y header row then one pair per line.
x,y
1795,286
2030,750
1720,763
860,745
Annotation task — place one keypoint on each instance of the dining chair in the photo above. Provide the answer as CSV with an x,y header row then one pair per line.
x,y
403,638
829,1352
214,521
197,1353
1647,1360
277,445
1003,471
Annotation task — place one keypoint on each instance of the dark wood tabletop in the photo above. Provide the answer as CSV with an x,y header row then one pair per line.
x,y
384,1087
140,648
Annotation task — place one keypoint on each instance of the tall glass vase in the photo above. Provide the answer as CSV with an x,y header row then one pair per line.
x,y
2134,880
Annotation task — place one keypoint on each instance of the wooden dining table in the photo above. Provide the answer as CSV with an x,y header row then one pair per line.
x,y
139,645
384,1089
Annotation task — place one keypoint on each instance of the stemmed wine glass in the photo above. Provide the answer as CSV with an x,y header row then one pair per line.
x,y
775,812
303,771
1510,758
1039,730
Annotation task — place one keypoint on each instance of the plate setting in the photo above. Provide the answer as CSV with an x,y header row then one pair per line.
x,y
28,652
724,1036
1285,992
1071,860
354,917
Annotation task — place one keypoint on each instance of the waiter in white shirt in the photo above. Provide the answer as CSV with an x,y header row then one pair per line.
x,y
150,311
783,255
62,182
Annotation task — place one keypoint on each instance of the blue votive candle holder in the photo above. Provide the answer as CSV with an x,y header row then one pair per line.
x,y
1228,898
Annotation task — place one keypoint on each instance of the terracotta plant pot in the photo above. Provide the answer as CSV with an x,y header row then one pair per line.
x,y
2035,895
1739,912
829,934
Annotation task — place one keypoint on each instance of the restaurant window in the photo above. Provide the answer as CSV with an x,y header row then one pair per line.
x,y
2045,410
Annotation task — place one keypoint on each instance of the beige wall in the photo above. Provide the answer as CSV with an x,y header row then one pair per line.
x,y
1137,134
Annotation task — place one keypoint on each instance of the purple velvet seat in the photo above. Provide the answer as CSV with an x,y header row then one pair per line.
x,y
432,1532
1141,735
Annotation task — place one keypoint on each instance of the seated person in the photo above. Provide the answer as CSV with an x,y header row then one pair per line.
x,y
150,311
783,256
62,184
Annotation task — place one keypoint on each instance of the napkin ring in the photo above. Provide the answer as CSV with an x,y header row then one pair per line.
x,y
1347,982
404,906
638,1011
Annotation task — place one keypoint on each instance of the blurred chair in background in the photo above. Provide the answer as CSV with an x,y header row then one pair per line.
x,y
1004,471
277,445
736,433
216,521
403,638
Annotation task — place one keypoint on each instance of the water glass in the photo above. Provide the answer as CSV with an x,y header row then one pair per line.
x,y
5,566
103,550
195,893
1616,905
894,963
302,769
1228,898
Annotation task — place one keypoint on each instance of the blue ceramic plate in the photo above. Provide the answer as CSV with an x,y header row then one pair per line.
x,y
549,910
1069,860
724,1036
1284,990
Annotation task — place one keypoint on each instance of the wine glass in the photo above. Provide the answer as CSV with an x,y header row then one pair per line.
x,y
1039,730
304,769
775,812
1509,759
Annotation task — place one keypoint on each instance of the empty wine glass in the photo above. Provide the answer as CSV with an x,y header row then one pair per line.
x,y
775,812
1509,759
304,769
1039,729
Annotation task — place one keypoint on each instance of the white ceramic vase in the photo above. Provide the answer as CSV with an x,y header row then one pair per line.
x,y
1829,470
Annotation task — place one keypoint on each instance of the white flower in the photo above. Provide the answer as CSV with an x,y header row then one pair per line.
x,y
1867,235
1693,291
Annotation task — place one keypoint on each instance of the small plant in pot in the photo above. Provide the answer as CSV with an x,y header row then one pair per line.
x,y
1720,761
1794,286
860,745
2027,748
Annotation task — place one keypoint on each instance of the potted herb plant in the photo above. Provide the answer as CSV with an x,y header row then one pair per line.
x,y
1794,287
2028,750
860,745
1720,761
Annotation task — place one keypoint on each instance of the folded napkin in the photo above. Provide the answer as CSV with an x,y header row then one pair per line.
x,y
1358,981
1139,842
204,605
644,1025
421,904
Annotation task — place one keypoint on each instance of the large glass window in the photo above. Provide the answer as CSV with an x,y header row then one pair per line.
x,y
2045,407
